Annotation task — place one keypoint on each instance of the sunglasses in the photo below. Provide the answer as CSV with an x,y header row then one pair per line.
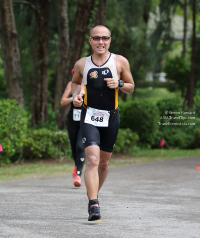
x,y
97,38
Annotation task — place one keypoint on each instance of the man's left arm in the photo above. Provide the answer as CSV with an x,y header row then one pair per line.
x,y
126,75
123,68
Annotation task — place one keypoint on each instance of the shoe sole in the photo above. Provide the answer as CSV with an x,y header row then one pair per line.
x,y
77,184
94,217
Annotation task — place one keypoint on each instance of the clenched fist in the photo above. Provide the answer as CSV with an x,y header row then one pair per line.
x,y
111,82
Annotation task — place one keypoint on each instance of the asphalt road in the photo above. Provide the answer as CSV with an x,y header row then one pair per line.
x,y
155,199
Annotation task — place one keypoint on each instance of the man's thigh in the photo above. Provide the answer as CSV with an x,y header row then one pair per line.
x,y
108,135
90,133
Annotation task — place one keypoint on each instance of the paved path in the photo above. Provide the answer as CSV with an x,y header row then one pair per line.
x,y
155,199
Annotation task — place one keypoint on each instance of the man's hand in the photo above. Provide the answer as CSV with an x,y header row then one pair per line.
x,y
78,101
112,83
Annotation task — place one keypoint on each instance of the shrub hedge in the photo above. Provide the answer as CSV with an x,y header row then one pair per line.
x,y
176,127
139,125
126,140
13,129
141,117
45,143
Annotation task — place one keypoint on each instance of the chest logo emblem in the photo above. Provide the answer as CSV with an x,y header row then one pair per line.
x,y
106,71
94,74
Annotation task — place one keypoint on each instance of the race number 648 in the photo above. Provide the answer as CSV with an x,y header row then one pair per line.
x,y
98,119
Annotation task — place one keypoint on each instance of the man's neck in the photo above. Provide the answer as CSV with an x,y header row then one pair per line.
x,y
100,59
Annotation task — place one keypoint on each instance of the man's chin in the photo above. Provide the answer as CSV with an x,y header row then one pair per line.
x,y
100,52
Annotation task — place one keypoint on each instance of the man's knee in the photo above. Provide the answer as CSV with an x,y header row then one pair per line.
x,y
104,164
92,160
104,160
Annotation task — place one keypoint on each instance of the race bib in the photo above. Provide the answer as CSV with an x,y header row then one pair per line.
x,y
76,114
97,117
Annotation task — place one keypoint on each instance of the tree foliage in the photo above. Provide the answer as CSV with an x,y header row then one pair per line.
x,y
178,71
128,21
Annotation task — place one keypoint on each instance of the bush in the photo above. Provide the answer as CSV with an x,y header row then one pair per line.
x,y
180,135
178,70
170,105
141,117
13,128
174,137
126,140
44,143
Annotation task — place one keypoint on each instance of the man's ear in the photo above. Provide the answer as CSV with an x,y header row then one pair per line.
x,y
89,40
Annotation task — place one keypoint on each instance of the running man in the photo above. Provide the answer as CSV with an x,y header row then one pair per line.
x,y
100,120
73,128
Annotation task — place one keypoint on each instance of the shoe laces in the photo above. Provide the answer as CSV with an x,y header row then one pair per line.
x,y
94,209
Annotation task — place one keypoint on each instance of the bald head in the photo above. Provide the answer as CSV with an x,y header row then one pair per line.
x,y
99,26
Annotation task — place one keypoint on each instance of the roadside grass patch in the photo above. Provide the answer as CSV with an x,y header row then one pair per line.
x,y
52,167
153,94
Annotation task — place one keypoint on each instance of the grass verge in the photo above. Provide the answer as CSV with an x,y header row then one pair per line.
x,y
48,168
153,94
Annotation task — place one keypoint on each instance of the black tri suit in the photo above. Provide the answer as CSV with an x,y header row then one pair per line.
x,y
100,116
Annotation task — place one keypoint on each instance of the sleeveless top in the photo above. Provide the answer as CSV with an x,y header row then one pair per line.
x,y
97,94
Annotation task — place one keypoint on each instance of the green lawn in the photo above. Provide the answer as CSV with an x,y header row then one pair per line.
x,y
153,94
166,153
34,170
43,169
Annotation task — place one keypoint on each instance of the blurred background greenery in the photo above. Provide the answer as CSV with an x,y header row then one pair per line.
x,y
161,40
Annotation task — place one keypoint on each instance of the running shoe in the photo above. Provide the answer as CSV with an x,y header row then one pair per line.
x,y
77,181
95,201
94,213
74,171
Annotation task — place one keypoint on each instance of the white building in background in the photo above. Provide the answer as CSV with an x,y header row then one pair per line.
x,y
177,28
177,25
149,76
160,76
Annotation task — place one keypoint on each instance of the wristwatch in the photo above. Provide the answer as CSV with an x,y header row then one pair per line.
x,y
120,83
74,94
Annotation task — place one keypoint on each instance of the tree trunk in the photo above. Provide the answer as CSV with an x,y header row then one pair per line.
x,y
192,84
10,52
101,13
63,34
82,17
40,90
185,28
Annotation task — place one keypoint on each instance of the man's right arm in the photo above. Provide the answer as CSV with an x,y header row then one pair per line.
x,y
76,82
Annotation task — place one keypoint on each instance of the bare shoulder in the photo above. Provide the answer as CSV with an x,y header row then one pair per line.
x,y
80,63
122,64
121,60
78,70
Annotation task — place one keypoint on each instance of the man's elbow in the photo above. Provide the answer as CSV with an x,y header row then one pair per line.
x,y
131,89
62,102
